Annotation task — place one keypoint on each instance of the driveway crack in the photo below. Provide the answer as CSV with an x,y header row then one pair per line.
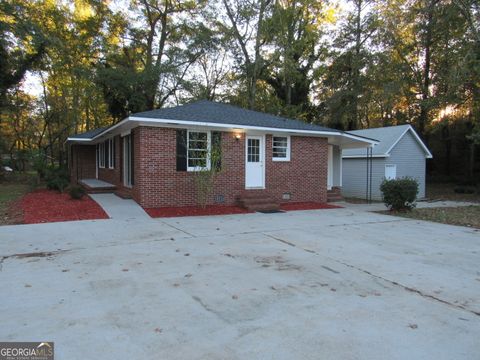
x,y
408,288
395,283
209,309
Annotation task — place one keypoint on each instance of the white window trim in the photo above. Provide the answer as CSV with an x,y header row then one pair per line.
x,y
392,166
111,160
101,155
288,148
209,145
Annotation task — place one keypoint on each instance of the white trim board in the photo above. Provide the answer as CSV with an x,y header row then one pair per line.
x,y
232,127
428,153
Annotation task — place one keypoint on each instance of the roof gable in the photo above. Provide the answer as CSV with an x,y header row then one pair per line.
x,y
388,138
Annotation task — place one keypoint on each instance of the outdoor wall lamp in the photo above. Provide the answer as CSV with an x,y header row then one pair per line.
x,y
238,136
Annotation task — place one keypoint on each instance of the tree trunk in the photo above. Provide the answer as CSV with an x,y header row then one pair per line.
x,y
425,91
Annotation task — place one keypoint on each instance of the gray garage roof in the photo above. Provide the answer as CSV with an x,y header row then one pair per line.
x,y
388,137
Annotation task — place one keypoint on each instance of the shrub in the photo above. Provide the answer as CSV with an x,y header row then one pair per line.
x,y
76,192
57,183
399,194
56,178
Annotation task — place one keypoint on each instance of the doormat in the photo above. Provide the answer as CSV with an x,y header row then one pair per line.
x,y
270,211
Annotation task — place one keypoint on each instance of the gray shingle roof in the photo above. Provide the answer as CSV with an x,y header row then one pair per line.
x,y
89,134
205,111
213,112
387,137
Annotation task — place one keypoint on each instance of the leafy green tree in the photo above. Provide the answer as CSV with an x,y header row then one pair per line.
x,y
294,31
351,57
245,31
22,43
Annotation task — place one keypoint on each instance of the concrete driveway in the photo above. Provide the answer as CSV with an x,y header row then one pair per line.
x,y
324,284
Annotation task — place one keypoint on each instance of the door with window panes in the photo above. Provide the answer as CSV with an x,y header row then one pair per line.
x,y
254,162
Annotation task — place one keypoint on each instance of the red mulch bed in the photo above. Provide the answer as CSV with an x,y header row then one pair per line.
x,y
195,211
307,206
42,206
228,210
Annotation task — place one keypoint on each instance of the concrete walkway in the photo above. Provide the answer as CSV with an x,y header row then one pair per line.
x,y
120,209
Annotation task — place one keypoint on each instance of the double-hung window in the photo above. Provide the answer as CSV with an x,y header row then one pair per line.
x,y
281,148
101,155
106,154
198,150
111,153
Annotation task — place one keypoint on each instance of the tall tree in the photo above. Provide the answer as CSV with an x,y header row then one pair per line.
x,y
165,40
246,27
351,57
22,44
294,31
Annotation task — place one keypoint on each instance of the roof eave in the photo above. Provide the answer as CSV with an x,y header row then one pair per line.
x,y
139,119
364,156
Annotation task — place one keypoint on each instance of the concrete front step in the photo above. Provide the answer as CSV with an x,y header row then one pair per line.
x,y
263,207
104,190
258,201
123,194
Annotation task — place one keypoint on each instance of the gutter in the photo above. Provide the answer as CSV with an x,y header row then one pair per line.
x,y
227,126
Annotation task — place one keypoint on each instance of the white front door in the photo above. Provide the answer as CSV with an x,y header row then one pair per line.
x,y
254,162
330,168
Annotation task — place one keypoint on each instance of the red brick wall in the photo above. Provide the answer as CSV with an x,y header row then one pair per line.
x,y
157,183
304,176
82,162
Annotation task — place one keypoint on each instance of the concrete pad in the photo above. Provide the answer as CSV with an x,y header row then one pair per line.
x,y
96,183
120,209
320,284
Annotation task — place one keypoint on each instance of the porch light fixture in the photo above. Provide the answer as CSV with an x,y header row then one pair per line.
x,y
238,136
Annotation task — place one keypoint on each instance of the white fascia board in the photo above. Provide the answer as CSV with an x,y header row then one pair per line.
x,y
78,139
246,127
428,154
364,156
231,127
351,136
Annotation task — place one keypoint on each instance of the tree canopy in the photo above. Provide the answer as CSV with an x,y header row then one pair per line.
x,y
347,64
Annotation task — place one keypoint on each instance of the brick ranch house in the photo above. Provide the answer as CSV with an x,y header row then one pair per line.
x,y
264,159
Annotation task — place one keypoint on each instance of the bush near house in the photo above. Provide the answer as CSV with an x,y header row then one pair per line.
x,y
399,194
56,178
76,192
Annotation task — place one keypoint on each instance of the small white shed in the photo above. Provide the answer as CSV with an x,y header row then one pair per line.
x,y
399,153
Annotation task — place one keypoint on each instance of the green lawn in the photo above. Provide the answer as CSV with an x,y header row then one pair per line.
x,y
465,215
